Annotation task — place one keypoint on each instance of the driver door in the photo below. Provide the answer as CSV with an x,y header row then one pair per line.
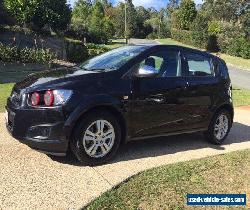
x,y
157,103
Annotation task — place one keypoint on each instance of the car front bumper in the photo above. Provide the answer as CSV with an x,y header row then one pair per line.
x,y
39,128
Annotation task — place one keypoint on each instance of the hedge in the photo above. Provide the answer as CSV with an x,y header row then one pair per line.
x,y
183,36
76,53
238,46
79,52
10,53
195,38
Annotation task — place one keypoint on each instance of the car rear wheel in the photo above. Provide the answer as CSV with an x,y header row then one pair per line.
x,y
97,138
219,127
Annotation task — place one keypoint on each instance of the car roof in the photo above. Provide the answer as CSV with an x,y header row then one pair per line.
x,y
153,46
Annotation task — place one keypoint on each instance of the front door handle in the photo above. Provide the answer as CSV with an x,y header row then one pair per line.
x,y
156,100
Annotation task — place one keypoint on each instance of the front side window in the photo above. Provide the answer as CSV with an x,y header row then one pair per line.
x,y
198,65
166,63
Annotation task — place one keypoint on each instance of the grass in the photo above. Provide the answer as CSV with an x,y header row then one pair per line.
x,y
115,43
235,61
241,97
5,90
166,187
169,41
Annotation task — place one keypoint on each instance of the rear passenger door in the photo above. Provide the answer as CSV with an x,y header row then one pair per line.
x,y
202,87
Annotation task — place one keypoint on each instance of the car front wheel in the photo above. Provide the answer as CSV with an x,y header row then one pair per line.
x,y
97,138
219,127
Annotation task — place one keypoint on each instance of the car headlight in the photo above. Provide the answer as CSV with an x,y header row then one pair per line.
x,y
50,98
61,96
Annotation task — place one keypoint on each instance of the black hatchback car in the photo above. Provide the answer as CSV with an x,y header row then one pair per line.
x,y
130,93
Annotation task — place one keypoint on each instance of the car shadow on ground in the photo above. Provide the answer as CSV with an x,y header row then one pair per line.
x,y
169,145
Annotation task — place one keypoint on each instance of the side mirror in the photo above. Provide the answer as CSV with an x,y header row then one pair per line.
x,y
147,71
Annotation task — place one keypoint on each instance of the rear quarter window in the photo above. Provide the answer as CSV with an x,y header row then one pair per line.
x,y
199,65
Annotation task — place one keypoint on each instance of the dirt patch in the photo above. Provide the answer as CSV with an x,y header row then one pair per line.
x,y
247,108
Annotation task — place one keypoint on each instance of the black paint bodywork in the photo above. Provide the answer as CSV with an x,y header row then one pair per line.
x,y
145,107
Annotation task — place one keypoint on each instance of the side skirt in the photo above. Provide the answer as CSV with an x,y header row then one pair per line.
x,y
167,134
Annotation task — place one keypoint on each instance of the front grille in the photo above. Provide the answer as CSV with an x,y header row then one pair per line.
x,y
16,98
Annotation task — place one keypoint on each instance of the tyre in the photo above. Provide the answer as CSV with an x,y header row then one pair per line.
x,y
219,127
96,139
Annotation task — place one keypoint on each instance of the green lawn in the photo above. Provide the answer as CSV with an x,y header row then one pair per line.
x,y
115,43
166,187
236,61
5,90
241,97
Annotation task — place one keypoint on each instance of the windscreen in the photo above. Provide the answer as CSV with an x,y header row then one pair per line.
x,y
113,59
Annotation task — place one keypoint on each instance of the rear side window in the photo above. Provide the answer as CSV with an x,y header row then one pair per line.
x,y
198,65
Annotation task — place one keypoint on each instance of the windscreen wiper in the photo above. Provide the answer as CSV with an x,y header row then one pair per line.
x,y
103,69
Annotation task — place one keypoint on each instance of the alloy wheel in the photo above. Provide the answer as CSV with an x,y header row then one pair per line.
x,y
221,126
99,138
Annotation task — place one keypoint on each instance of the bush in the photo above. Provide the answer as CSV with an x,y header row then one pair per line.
x,y
78,32
199,39
153,35
25,55
199,29
76,52
214,28
183,36
245,50
98,37
229,32
94,49
212,44
239,47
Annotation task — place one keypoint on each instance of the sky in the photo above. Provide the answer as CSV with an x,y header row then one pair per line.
x,y
146,3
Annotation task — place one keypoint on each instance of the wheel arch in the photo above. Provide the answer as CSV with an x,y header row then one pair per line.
x,y
72,123
229,108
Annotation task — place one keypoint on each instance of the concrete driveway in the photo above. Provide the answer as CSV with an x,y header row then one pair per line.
x,y
31,180
239,77
142,41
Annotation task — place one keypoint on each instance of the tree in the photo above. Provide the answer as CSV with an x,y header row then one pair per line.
x,y
199,29
38,13
172,6
225,10
57,12
119,18
131,19
97,16
5,18
186,14
22,10
143,29
100,26
81,13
